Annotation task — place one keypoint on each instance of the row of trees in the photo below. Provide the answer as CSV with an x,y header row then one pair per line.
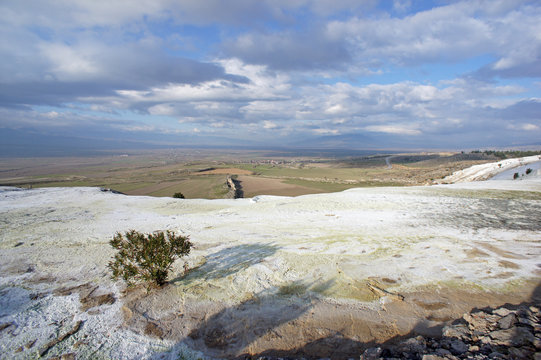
x,y
508,154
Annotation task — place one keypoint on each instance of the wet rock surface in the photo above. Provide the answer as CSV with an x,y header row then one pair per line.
x,y
507,332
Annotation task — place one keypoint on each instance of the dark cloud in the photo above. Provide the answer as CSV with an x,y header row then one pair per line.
x,y
523,110
137,72
521,70
158,70
290,50
53,93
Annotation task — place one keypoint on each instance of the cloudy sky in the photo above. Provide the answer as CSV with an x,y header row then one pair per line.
x,y
296,73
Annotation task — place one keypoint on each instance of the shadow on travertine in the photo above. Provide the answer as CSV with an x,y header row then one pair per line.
x,y
223,332
232,330
228,261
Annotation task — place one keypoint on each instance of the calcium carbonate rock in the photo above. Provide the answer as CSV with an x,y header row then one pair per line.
x,y
443,352
507,321
502,312
456,331
371,354
432,357
519,353
415,345
458,347
481,321
515,336
496,355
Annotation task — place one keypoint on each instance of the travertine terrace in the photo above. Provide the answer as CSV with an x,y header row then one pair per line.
x,y
315,275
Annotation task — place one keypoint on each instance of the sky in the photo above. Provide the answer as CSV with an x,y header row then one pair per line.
x,y
271,73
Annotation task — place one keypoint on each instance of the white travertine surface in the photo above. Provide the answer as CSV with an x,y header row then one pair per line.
x,y
482,235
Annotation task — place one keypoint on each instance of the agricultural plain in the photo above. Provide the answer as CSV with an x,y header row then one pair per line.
x,y
199,173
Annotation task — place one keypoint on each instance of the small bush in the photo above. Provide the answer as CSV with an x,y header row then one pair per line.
x,y
178,195
528,170
515,176
146,257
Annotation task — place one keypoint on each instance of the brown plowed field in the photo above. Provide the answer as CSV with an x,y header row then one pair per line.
x,y
255,185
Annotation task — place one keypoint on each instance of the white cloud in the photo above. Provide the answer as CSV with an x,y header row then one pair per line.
x,y
52,114
269,125
62,14
162,109
404,108
524,127
326,131
505,30
335,109
529,127
70,63
393,129
454,32
401,5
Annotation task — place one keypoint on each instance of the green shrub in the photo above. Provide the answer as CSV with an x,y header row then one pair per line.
x,y
515,176
146,257
528,170
178,195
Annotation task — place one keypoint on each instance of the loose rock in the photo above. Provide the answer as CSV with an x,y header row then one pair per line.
x,y
501,311
458,347
371,354
483,334
507,321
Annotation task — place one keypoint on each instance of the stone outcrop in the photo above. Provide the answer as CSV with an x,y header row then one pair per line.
x,y
508,332
235,189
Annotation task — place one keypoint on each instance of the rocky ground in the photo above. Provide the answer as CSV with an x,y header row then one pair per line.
x,y
507,332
